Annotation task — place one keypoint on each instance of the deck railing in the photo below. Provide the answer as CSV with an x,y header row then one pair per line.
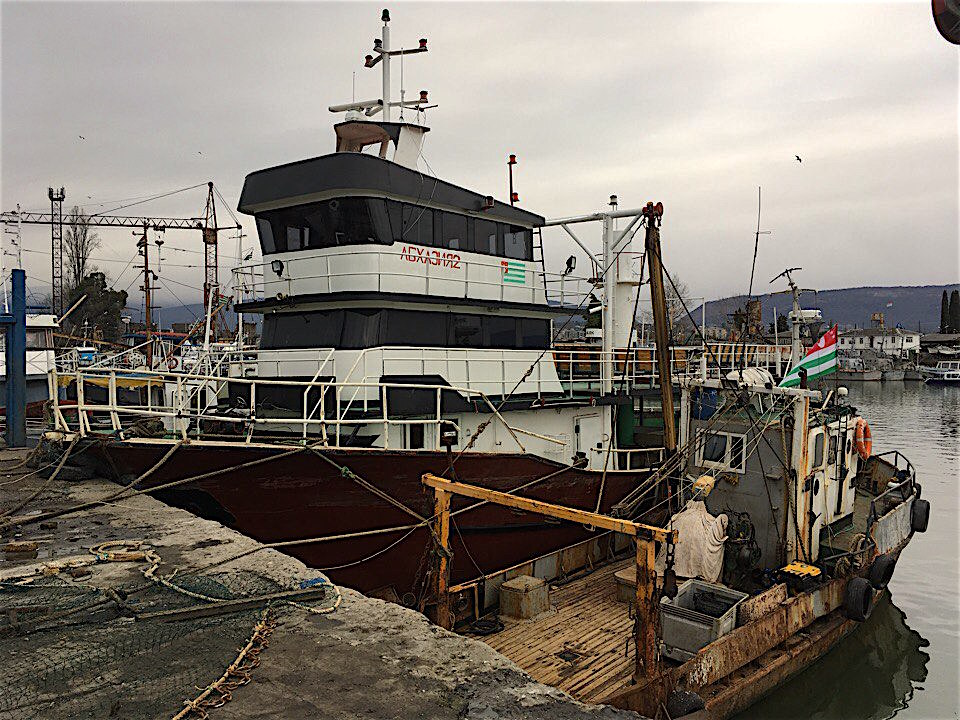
x,y
445,274
322,409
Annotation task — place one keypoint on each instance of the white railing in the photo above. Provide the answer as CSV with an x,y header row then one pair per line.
x,y
388,270
625,459
186,410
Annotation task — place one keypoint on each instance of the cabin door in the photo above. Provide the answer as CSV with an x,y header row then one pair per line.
x,y
815,489
587,433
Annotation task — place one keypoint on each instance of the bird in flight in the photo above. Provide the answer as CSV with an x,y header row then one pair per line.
x,y
248,255
81,137
798,158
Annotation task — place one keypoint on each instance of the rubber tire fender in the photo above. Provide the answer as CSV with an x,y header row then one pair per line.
x,y
920,515
683,702
881,571
858,600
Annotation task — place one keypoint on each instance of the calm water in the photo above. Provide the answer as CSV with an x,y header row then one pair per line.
x,y
905,660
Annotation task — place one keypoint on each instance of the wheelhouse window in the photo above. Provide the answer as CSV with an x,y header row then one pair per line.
x,y
518,243
330,223
454,231
724,451
346,221
361,328
485,237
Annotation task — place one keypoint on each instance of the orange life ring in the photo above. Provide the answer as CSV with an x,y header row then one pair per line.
x,y
863,439
172,362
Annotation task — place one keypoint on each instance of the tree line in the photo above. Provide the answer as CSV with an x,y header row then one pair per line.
x,y
98,316
950,312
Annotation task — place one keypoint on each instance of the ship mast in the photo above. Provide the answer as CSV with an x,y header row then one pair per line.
x,y
382,55
796,348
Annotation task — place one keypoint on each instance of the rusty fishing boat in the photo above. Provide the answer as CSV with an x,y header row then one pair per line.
x,y
410,425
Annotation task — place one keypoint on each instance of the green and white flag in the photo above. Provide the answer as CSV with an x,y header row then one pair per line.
x,y
820,360
514,272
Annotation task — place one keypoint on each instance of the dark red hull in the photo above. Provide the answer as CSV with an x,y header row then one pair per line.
x,y
301,496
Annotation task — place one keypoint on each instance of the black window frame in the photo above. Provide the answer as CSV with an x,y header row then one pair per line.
x,y
399,222
358,328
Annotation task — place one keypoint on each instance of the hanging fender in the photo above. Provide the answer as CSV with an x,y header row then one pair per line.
x,y
863,439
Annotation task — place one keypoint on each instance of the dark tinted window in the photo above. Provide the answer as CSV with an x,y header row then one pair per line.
x,y
330,223
360,221
466,331
355,329
265,230
501,331
485,237
417,225
534,333
454,231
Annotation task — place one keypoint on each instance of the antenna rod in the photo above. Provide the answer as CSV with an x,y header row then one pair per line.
x,y
386,64
510,163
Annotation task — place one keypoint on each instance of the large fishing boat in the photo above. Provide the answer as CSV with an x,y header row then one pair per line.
x,y
409,425
407,328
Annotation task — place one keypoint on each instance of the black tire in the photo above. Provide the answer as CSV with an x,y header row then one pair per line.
x,y
920,515
881,571
683,702
858,600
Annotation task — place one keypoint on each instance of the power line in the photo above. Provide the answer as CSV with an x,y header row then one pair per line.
x,y
104,259
154,197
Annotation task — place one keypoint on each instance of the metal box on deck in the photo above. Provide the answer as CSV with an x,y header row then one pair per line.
x,y
524,597
699,614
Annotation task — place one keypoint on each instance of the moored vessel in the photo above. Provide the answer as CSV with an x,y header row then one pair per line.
x,y
409,426
945,372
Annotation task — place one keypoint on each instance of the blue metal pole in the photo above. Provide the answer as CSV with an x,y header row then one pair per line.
x,y
15,323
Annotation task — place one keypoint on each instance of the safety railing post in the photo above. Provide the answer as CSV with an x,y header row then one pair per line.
x,y
112,400
436,427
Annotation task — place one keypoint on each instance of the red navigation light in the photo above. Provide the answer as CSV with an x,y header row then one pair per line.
x,y
659,208
514,197
423,43
512,160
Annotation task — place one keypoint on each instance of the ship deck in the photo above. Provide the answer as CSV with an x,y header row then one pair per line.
x,y
581,645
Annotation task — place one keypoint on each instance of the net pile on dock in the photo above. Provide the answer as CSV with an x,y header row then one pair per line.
x,y
74,651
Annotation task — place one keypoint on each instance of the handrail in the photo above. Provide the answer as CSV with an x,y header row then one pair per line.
x,y
176,411
582,285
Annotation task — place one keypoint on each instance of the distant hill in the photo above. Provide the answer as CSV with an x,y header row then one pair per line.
x,y
913,307
175,313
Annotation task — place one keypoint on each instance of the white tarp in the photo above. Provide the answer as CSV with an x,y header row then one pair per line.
x,y
698,552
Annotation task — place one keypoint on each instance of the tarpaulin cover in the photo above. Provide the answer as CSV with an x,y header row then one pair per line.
x,y
698,551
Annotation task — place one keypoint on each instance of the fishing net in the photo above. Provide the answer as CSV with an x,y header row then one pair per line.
x,y
73,651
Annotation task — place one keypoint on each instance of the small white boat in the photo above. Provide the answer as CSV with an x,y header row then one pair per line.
x,y
946,372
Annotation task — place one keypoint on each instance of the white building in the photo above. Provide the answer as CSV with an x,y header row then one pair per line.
x,y
890,341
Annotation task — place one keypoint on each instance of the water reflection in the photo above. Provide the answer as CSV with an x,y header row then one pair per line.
x,y
871,674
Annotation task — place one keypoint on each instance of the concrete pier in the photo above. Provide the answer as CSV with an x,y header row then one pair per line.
x,y
93,635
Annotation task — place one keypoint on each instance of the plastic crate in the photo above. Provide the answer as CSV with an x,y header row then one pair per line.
x,y
699,614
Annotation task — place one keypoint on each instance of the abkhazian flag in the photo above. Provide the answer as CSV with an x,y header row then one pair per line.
x,y
820,360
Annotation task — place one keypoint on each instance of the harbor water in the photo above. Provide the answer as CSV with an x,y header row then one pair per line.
x,y
905,660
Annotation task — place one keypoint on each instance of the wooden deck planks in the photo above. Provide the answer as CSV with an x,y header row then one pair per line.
x,y
587,618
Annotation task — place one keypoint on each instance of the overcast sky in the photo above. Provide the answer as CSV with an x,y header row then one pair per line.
x,y
691,104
